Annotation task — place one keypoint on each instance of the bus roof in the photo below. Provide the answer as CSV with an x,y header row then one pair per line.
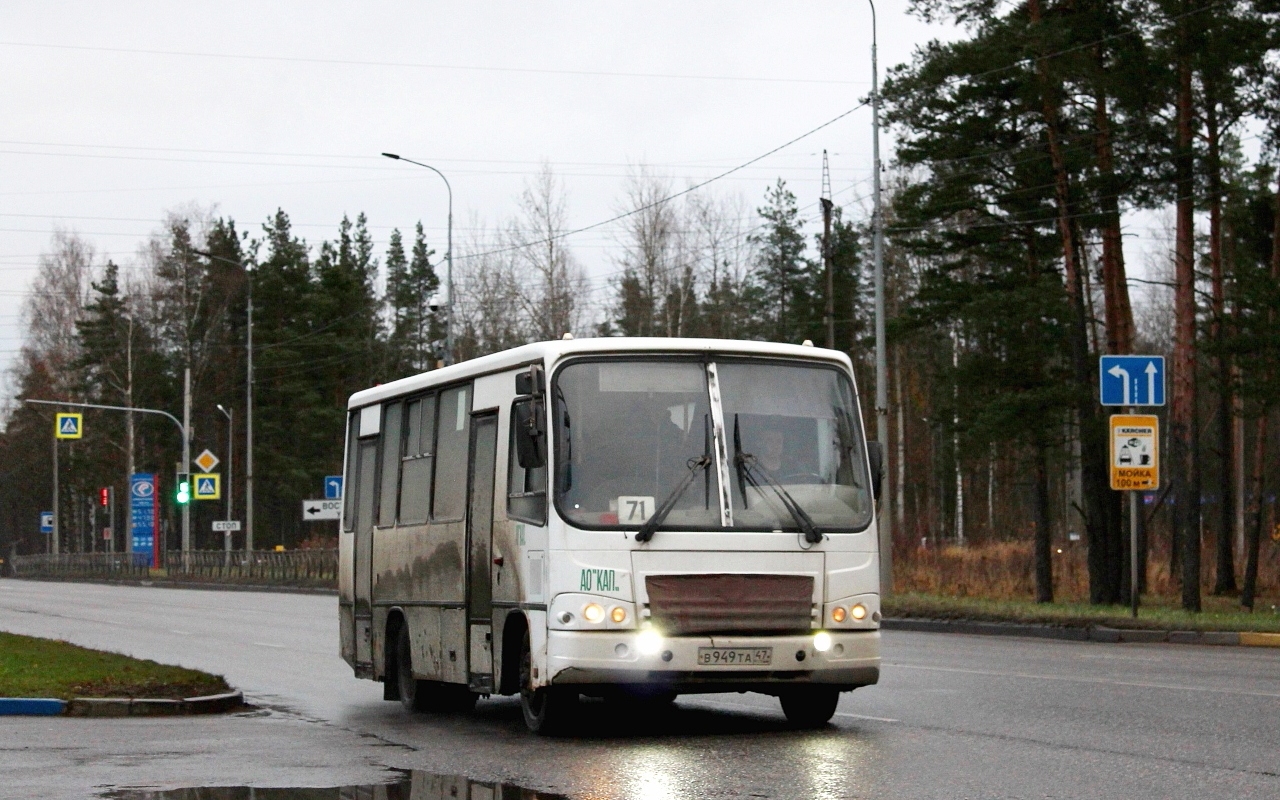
x,y
550,352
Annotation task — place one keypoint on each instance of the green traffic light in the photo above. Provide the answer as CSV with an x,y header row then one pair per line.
x,y
184,493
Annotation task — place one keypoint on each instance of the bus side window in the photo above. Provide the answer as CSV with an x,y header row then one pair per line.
x,y
349,495
453,440
526,488
390,458
415,483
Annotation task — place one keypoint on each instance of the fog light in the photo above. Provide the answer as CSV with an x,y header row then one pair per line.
x,y
618,615
593,612
822,641
859,611
837,614
649,642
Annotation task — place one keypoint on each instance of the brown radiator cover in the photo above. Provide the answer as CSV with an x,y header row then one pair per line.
x,y
730,603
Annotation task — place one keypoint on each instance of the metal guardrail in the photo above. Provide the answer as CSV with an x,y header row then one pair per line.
x,y
311,568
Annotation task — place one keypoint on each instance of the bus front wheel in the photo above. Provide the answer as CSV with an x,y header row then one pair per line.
x,y
809,706
546,710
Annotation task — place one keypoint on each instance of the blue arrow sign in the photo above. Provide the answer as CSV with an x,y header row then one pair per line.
x,y
333,487
1131,380
46,522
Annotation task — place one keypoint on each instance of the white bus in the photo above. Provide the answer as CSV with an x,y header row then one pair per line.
x,y
613,517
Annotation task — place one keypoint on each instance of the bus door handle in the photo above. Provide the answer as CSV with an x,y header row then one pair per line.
x,y
498,560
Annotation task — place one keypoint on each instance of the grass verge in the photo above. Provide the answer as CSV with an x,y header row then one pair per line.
x,y
31,667
1219,614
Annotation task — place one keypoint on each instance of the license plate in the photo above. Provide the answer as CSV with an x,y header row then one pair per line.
x,y
734,656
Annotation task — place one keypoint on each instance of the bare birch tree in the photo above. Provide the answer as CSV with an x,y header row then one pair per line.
x,y
552,285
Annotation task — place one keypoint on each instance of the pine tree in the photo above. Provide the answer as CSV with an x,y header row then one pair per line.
x,y
782,270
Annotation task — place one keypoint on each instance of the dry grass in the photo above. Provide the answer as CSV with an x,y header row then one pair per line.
x,y
1004,571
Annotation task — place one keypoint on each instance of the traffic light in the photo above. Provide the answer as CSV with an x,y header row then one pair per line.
x,y
104,497
183,493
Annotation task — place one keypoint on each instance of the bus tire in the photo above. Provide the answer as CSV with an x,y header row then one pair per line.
x,y
547,711
809,706
414,694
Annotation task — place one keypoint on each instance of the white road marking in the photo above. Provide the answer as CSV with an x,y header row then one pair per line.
x,y
269,644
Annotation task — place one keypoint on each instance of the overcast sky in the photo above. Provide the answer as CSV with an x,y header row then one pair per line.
x,y
115,113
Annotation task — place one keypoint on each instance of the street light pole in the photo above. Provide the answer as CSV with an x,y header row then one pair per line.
x,y
882,370
448,312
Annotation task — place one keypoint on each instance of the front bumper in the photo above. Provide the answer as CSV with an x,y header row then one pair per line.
x,y
613,657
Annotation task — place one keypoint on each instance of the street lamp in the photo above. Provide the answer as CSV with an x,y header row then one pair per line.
x,y
882,370
248,402
448,312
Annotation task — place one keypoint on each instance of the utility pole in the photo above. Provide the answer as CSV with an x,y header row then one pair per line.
x,y
53,537
829,314
231,429
186,462
248,423
882,371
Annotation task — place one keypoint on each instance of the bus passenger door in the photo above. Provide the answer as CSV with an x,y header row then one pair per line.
x,y
366,466
480,488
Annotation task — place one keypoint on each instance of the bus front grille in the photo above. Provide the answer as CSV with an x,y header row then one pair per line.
x,y
730,603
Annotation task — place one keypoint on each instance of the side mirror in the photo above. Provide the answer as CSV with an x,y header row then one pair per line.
x,y
533,382
875,454
530,435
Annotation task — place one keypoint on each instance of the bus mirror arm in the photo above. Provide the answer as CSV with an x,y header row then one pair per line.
x,y
875,454
531,439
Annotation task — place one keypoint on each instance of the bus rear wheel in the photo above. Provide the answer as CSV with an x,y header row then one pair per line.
x,y
426,696
413,693
809,706
546,710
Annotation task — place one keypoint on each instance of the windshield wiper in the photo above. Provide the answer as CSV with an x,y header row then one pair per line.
x,y
749,467
696,465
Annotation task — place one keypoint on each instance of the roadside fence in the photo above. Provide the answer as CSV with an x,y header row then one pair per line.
x,y
297,568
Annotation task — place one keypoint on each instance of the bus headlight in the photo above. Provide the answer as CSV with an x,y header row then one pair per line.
x,y
593,613
618,614
859,611
822,641
838,614
649,642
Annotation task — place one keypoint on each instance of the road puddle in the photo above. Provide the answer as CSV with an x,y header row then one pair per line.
x,y
414,786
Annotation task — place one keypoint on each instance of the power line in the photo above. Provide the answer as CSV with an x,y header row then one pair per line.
x,y
420,65
669,198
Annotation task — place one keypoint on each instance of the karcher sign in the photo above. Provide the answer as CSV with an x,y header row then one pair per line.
x,y
1135,452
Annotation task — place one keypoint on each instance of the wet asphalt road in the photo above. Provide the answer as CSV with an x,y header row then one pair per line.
x,y
953,717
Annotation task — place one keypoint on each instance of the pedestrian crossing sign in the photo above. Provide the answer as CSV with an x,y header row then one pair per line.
x,y
208,486
68,426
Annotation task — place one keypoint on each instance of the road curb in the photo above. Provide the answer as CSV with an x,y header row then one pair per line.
x,y
1093,633
120,706
31,707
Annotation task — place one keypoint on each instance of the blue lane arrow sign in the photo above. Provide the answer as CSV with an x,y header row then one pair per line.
x,y
1131,380
333,487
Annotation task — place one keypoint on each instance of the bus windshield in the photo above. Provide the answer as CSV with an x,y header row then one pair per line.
x,y
629,432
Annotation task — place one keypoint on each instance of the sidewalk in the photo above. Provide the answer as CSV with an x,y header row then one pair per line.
x,y
1093,633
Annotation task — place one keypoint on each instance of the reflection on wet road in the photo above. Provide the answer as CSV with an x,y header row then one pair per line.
x,y
954,716
416,785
